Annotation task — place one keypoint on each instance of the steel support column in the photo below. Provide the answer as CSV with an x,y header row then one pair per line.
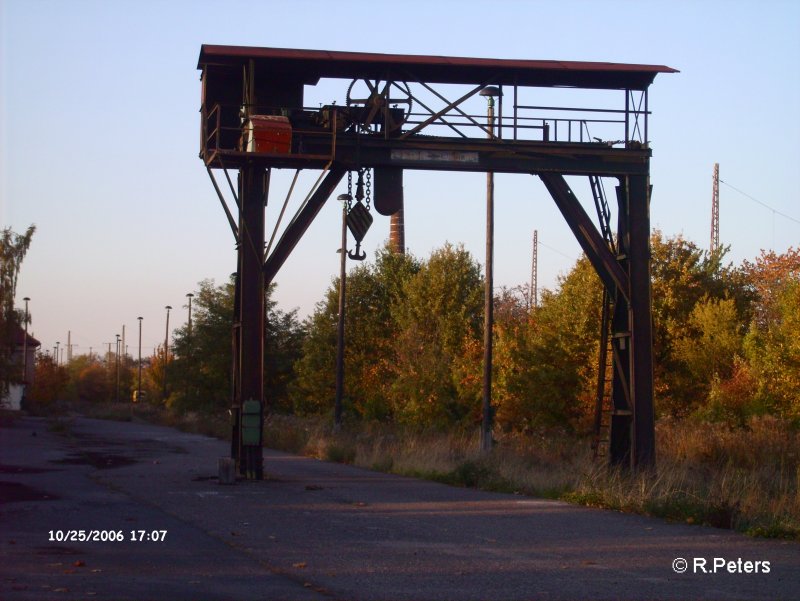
x,y
632,437
627,278
621,428
253,190
638,193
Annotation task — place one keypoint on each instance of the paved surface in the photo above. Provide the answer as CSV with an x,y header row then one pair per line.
x,y
324,531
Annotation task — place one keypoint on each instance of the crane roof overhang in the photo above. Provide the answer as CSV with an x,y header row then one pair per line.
x,y
312,65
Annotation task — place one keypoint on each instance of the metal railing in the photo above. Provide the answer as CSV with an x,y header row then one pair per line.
x,y
222,125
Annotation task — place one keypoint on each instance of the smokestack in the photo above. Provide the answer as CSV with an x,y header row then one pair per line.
x,y
397,233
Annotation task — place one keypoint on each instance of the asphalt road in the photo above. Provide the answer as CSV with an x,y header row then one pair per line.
x,y
316,530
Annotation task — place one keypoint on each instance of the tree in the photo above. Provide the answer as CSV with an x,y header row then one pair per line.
x,y
714,339
546,361
13,248
767,278
200,364
50,380
684,275
201,370
374,290
707,349
440,317
772,348
89,380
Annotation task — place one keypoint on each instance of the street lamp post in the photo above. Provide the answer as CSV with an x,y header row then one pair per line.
x,y
166,352
337,410
489,92
25,353
189,295
139,385
117,362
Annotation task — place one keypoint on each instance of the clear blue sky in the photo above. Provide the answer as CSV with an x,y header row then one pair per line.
x,y
99,138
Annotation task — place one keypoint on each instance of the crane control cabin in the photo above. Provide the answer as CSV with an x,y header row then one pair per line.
x,y
388,113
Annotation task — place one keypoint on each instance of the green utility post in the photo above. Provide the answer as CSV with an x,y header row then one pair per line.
x,y
251,437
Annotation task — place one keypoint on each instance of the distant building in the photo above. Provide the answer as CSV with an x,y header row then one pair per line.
x,y
16,390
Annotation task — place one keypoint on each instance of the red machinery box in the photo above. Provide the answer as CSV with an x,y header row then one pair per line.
x,y
267,133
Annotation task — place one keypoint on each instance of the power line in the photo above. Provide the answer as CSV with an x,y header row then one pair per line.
x,y
555,250
763,204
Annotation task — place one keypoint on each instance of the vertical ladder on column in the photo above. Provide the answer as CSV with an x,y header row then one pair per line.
x,y
605,364
603,404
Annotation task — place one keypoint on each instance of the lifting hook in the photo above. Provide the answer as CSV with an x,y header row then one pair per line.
x,y
356,255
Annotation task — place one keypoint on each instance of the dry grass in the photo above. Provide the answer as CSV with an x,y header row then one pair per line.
x,y
744,479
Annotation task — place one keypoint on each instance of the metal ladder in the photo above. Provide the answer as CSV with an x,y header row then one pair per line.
x,y
603,402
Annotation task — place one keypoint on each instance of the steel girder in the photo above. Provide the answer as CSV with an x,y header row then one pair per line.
x,y
627,278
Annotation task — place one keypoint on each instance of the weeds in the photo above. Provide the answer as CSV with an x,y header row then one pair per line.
x,y
743,479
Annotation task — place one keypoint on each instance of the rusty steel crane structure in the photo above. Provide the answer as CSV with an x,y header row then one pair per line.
x,y
399,112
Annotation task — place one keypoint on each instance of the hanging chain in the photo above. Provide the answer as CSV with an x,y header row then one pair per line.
x,y
360,186
349,190
369,186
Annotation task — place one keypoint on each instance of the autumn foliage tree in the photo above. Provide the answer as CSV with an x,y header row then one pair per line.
x,y
13,248
200,362
374,291
772,344
726,345
50,381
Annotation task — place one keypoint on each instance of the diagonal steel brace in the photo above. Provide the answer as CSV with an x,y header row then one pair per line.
x,y
592,243
295,230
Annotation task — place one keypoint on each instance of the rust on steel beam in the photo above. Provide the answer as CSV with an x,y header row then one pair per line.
x,y
591,241
298,226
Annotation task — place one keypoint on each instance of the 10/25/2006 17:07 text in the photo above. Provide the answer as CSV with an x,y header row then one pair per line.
x,y
82,536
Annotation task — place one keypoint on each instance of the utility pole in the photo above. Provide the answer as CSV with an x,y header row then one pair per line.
x,y
714,246
535,270
69,347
